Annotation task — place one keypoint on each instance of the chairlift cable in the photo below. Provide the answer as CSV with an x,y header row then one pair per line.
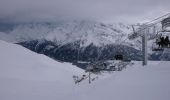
x,y
149,24
158,18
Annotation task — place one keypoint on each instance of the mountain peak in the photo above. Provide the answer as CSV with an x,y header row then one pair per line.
x,y
64,32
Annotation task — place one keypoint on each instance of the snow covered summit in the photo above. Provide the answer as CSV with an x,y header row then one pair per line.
x,y
67,32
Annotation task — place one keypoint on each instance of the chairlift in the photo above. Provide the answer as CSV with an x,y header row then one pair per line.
x,y
162,38
119,57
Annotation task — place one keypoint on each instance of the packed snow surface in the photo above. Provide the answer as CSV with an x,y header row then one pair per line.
x,y
25,75
134,83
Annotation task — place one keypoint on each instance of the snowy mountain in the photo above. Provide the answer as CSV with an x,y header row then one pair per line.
x,y
70,31
72,41
73,52
88,33
26,75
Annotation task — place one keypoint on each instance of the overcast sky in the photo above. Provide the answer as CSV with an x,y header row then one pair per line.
x,y
128,11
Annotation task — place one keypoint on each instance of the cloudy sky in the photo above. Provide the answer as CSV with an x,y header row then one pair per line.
x,y
129,11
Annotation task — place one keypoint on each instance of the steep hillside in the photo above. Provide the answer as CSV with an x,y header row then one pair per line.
x,y
28,75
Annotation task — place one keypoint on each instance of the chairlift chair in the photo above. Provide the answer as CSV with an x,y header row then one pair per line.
x,y
165,31
119,57
155,47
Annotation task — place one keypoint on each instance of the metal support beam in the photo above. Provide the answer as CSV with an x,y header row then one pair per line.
x,y
89,77
144,48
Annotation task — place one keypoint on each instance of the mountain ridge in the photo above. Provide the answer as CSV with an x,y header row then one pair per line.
x,y
73,41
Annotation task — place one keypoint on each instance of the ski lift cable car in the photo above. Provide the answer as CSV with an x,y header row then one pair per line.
x,y
162,37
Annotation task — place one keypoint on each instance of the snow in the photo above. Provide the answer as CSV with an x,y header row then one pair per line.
x,y
25,75
135,83
89,32
65,32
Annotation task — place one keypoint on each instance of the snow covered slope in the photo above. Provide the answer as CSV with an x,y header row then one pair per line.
x,y
25,75
151,82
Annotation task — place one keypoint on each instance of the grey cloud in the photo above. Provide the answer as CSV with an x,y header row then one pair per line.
x,y
104,10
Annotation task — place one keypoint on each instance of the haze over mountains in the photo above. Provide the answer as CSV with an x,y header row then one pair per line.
x,y
70,41
79,40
